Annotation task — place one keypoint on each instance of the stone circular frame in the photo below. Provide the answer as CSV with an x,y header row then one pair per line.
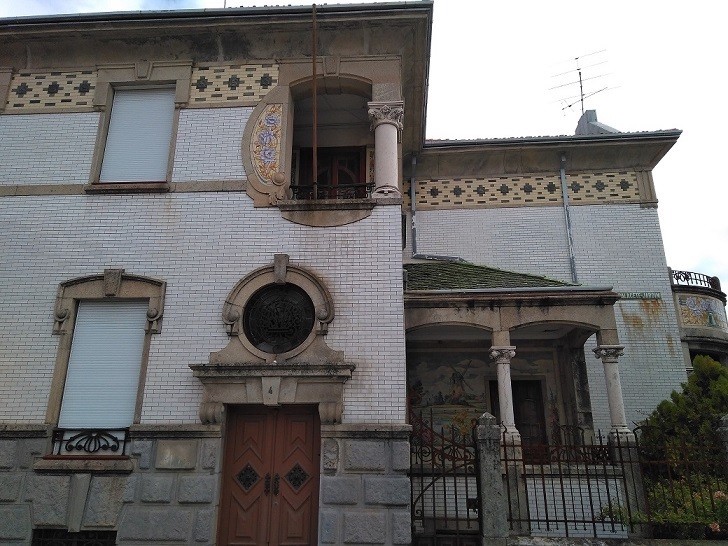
x,y
278,318
279,278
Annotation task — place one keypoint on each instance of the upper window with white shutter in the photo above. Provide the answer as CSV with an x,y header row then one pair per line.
x,y
139,136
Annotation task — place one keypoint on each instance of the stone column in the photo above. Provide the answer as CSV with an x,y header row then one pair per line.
x,y
502,356
386,118
609,355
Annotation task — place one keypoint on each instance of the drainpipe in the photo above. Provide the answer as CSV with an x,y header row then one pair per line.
x,y
413,204
567,220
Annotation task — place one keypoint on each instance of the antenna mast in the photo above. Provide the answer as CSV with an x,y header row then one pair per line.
x,y
570,101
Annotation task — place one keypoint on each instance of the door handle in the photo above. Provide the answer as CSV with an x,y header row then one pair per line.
x,y
276,484
267,484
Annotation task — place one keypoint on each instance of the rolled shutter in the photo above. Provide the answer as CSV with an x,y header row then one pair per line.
x,y
139,137
103,369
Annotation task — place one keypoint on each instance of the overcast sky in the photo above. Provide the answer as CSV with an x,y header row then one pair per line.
x,y
493,64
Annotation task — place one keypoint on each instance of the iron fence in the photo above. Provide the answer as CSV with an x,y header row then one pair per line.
x,y
568,489
685,486
443,474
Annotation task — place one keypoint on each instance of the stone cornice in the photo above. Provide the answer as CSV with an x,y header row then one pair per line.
x,y
510,298
632,151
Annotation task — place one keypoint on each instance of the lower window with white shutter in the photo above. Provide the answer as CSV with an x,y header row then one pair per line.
x,y
102,380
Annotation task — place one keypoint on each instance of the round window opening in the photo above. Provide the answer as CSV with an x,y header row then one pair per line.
x,y
278,318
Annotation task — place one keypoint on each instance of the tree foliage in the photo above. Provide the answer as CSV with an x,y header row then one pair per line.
x,y
692,417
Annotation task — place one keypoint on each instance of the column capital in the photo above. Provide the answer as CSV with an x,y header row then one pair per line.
x,y
608,353
390,112
502,355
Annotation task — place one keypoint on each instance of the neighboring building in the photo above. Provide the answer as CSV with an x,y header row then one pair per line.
x,y
202,344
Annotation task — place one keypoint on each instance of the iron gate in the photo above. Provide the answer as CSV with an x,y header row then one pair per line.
x,y
445,494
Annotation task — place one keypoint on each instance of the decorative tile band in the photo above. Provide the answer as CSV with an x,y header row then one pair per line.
x,y
216,85
74,90
510,191
51,90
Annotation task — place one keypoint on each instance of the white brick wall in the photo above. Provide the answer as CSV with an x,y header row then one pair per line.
x,y
209,144
615,245
621,246
47,148
201,244
525,239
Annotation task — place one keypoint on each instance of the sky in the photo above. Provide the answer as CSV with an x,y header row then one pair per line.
x,y
493,70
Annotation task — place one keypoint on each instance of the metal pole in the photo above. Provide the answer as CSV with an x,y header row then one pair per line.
x,y
314,151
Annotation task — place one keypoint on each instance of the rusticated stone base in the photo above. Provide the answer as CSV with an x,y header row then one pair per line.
x,y
365,491
166,491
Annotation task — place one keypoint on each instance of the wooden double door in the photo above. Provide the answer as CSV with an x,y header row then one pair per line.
x,y
270,482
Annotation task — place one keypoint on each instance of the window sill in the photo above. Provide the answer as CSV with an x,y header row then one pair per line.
x,y
326,212
127,187
89,465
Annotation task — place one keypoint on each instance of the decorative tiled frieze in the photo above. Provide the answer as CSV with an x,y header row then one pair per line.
x,y
510,191
216,85
75,89
45,91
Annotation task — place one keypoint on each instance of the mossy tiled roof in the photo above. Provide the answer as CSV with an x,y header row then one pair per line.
x,y
440,275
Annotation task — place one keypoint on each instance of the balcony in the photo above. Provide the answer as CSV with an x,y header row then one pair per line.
x,y
700,305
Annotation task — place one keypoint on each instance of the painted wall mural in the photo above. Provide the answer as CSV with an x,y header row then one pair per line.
x,y
458,386
702,311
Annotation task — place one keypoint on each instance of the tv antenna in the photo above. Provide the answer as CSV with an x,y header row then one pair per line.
x,y
577,76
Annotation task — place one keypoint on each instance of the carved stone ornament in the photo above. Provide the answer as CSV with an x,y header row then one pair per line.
x,y
113,284
386,112
502,355
266,149
608,353
244,372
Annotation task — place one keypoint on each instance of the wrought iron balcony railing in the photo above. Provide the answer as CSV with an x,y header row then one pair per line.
x,y
690,278
90,441
341,191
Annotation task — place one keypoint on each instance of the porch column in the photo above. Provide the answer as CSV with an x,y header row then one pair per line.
x,y
609,355
502,356
386,118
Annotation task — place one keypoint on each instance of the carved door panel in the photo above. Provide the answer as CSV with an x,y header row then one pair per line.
x,y
270,477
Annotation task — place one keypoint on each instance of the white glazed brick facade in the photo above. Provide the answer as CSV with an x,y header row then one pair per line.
x,y
621,246
209,144
47,148
201,245
615,245
527,240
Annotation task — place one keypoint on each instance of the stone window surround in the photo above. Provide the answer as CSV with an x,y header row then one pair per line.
x,y
113,284
376,77
136,75
311,373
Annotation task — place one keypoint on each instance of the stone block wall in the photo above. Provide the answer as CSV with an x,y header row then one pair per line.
x,y
365,491
166,492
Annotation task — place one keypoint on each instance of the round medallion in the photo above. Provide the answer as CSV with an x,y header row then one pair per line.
x,y
278,318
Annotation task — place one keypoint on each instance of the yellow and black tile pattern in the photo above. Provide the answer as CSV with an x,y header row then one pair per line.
x,y
216,85
33,91
529,190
